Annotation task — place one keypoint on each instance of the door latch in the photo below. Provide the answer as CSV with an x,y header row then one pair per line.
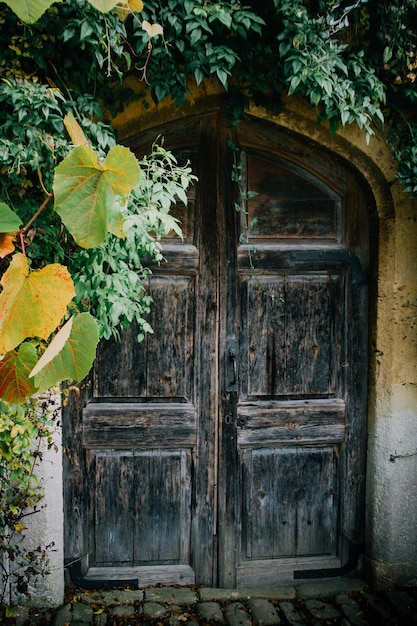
x,y
231,365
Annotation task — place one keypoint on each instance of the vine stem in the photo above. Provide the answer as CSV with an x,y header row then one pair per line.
x,y
37,213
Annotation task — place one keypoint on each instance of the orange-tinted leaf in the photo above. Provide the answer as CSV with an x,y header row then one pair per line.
x,y
15,385
32,304
6,244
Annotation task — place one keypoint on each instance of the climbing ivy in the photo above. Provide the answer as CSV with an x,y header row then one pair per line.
x,y
353,60
25,432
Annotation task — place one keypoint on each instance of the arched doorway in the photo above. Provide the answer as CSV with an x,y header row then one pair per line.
x,y
229,447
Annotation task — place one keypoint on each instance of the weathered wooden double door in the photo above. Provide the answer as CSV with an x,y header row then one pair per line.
x,y
228,447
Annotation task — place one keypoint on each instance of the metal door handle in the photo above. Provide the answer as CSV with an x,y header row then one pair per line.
x,y
231,365
232,358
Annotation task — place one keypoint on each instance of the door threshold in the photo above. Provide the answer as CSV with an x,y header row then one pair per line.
x,y
270,572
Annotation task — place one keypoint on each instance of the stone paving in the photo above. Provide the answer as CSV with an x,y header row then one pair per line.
x,y
342,602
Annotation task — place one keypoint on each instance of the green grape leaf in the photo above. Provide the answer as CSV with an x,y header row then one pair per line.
x,y
69,356
104,5
32,304
9,221
30,10
89,194
15,385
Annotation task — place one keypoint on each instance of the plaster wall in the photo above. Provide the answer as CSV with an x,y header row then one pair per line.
x,y
45,527
392,426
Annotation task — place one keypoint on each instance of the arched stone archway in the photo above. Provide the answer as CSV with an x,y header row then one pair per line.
x,y
391,499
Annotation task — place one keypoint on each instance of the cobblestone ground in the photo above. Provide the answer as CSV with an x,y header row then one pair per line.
x,y
341,602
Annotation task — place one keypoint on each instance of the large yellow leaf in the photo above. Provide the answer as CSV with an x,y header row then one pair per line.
x,y
88,193
32,304
15,385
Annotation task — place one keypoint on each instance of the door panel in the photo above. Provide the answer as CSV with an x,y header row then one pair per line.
x,y
294,334
288,502
228,447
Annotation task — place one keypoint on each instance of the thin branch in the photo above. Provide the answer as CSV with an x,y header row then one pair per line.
x,y
38,212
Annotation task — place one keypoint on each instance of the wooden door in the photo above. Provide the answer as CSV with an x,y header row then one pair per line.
x,y
228,448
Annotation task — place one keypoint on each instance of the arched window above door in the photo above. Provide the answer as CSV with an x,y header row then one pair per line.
x,y
290,203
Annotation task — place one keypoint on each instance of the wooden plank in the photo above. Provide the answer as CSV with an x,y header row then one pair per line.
x,y
263,573
120,367
181,260
295,424
206,354
163,507
264,319
139,426
146,576
113,503
76,490
170,349
309,336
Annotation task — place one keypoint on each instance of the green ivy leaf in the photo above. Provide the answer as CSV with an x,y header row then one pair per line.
x,y
15,385
9,221
30,11
88,193
73,360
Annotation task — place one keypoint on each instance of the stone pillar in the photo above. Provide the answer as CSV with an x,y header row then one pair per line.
x,y
392,428
45,527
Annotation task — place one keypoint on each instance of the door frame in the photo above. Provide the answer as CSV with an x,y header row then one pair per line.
x,y
205,554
